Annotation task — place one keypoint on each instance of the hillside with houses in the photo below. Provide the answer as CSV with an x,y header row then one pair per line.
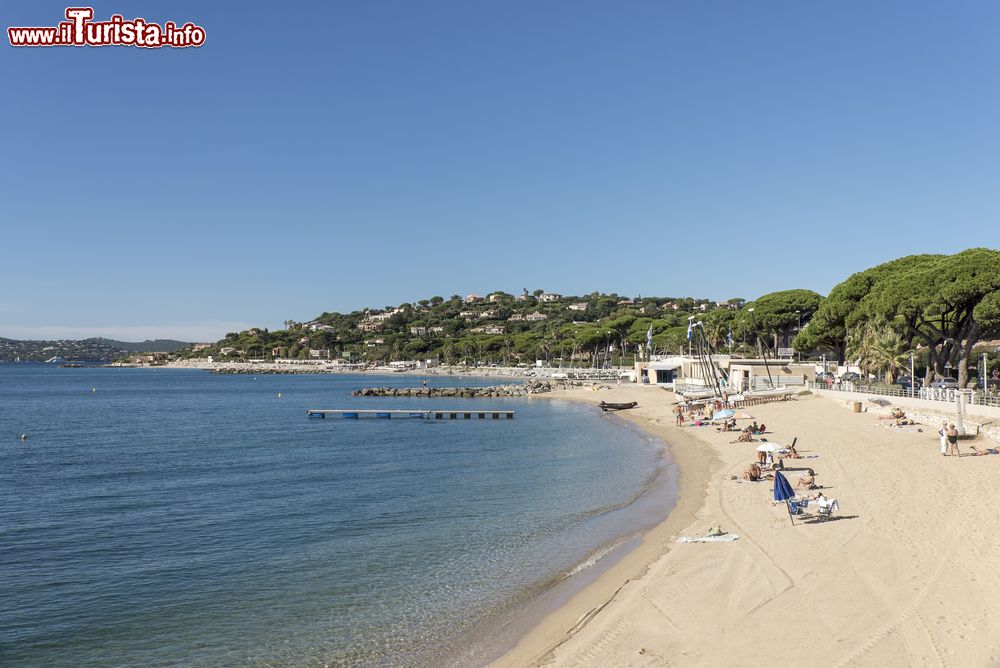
x,y
496,328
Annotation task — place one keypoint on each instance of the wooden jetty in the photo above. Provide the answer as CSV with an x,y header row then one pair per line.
x,y
420,414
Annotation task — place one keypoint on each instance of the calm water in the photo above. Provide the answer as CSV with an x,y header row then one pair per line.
x,y
178,518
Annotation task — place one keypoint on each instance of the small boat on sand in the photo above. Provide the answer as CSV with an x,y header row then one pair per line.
x,y
605,406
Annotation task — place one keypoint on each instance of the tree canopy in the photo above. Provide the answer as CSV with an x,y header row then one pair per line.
x,y
943,304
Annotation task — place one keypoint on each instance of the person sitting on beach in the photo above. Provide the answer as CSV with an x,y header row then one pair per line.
x,y
752,474
745,437
898,414
807,481
753,428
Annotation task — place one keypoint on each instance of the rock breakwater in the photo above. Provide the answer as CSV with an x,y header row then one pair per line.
x,y
492,391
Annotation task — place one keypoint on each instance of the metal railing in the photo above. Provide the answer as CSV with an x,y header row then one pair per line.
x,y
943,394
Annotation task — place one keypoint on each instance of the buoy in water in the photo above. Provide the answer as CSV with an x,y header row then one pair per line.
x,y
24,437
279,395
93,389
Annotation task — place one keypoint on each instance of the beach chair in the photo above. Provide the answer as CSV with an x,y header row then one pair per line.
x,y
825,508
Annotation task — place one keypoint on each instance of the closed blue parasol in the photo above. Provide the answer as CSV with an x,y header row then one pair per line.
x,y
783,492
782,488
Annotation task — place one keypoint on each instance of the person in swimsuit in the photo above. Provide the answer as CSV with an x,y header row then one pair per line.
x,y
953,440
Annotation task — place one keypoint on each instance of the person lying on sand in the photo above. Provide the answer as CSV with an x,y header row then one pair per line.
x,y
728,425
987,451
793,453
807,481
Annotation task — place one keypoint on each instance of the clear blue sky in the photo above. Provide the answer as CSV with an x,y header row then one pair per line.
x,y
322,156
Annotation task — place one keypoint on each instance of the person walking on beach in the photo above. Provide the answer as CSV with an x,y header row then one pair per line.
x,y
943,433
953,440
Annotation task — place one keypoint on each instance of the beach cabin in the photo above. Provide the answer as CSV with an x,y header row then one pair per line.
x,y
680,370
659,370
752,374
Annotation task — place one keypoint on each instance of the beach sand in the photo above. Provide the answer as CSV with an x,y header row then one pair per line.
x,y
907,573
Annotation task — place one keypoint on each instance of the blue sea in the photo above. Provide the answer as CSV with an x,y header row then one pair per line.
x,y
161,517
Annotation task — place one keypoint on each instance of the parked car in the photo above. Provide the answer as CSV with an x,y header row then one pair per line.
x,y
945,383
908,384
850,377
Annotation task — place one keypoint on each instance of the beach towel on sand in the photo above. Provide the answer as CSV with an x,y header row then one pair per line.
x,y
724,538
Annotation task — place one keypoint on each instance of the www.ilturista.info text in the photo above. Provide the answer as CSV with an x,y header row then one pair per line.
x,y
80,30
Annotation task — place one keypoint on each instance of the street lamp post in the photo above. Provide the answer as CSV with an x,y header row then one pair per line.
x,y
798,314
912,379
982,374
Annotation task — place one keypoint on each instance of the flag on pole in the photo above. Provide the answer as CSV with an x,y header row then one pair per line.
x,y
649,338
689,330
729,338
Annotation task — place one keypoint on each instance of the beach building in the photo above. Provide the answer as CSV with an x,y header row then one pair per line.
x,y
201,346
679,370
752,374
579,306
549,297
488,329
516,317
369,326
319,353
472,299
537,316
419,331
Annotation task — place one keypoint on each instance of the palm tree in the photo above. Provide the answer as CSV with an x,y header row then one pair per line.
x,y
879,349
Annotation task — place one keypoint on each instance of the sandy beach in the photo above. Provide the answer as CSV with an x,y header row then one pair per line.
x,y
905,574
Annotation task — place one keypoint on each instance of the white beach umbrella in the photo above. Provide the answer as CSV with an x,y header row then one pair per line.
x,y
771,447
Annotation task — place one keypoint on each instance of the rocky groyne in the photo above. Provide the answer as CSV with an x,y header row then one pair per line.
x,y
270,370
492,391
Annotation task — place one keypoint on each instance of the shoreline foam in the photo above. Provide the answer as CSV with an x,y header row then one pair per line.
x,y
692,468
